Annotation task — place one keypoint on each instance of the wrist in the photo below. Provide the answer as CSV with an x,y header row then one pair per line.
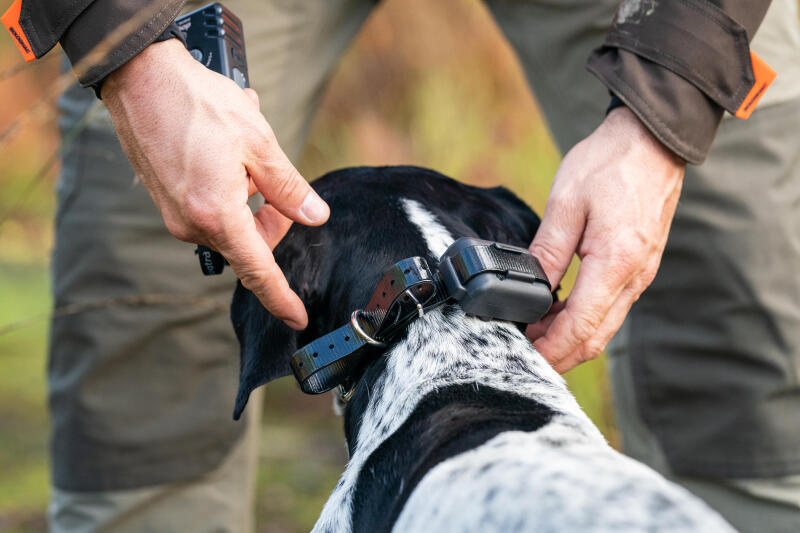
x,y
151,65
625,125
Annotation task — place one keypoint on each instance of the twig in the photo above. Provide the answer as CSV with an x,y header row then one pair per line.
x,y
94,57
34,182
19,67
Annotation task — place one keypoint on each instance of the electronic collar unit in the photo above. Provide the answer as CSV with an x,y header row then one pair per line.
x,y
215,38
487,279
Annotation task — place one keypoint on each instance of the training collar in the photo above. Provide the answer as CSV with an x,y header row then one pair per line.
x,y
488,279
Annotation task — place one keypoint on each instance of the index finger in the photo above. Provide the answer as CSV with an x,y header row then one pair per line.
x,y
240,242
557,237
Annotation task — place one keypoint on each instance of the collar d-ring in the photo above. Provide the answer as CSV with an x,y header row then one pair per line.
x,y
360,331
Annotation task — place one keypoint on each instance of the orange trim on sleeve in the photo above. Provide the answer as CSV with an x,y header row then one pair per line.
x,y
764,76
10,20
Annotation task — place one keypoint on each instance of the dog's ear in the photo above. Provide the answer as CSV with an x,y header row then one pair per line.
x,y
503,217
265,343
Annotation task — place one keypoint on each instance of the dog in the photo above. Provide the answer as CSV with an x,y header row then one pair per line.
x,y
461,425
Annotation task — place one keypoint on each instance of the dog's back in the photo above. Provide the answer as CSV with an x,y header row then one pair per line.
x,y
461,425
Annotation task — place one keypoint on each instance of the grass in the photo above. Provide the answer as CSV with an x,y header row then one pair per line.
x,y
301,455
453,99
23,415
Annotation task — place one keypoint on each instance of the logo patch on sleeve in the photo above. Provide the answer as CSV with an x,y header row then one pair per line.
x,y
764,76
10,20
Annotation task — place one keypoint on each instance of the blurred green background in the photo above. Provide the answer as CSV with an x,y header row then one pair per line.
x,y
437,87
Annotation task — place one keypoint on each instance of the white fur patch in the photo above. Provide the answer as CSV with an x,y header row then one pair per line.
x,y
437,353
523,482
562,477
436,236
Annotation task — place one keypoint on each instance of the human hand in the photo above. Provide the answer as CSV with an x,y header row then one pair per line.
x,y
201,147
612,202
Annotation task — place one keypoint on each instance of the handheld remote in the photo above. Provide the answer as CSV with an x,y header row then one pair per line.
x,y
214,37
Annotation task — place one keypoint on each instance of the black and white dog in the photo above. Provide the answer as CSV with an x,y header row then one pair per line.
x,y
461,425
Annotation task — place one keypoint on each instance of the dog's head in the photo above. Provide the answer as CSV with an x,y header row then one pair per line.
x,y
376,218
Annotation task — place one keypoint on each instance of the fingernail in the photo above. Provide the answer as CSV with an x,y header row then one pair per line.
x,y
294,325
314,208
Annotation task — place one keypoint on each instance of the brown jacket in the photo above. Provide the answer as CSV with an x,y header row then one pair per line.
x,y
678,64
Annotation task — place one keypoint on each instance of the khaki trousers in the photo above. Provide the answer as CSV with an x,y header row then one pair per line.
x,y
141,394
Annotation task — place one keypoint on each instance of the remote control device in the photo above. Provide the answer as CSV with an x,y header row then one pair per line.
x,y
215,38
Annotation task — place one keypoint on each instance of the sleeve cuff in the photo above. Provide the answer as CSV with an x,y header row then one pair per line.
x,y
677,113
98,25
173,31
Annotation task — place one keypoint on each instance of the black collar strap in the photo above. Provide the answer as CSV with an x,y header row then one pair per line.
x,y
488,279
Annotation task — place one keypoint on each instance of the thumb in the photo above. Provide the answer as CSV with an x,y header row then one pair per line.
x,y
285,189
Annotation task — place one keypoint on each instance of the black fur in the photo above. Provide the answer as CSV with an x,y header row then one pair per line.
x,y
335,267
455,419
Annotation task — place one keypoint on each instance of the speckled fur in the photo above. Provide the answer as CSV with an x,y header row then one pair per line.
x,y
562,477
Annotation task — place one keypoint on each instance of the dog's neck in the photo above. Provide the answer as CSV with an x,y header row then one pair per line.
x,y
409,389
444,348
443,351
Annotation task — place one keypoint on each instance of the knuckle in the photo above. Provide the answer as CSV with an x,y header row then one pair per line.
x,y
633,254
644,278
591,350
178,228
648,275
256,280
262,284
252,281
546,253
583,326
628,259
560,200
201,214
291,184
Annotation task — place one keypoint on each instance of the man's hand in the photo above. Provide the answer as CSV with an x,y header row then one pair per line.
x,y
612,202
201,147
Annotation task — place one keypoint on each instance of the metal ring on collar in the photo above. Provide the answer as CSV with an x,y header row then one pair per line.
x,y
360,331
346,394
410,294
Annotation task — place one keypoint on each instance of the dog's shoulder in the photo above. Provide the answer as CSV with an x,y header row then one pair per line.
x,y
445,423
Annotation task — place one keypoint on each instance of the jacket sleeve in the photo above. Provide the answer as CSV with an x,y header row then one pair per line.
x,y
113,30
679,64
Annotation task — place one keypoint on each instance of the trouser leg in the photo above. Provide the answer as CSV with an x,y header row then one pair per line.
x,y
750,505
710,354
714,342
218,501
143,372
553,40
